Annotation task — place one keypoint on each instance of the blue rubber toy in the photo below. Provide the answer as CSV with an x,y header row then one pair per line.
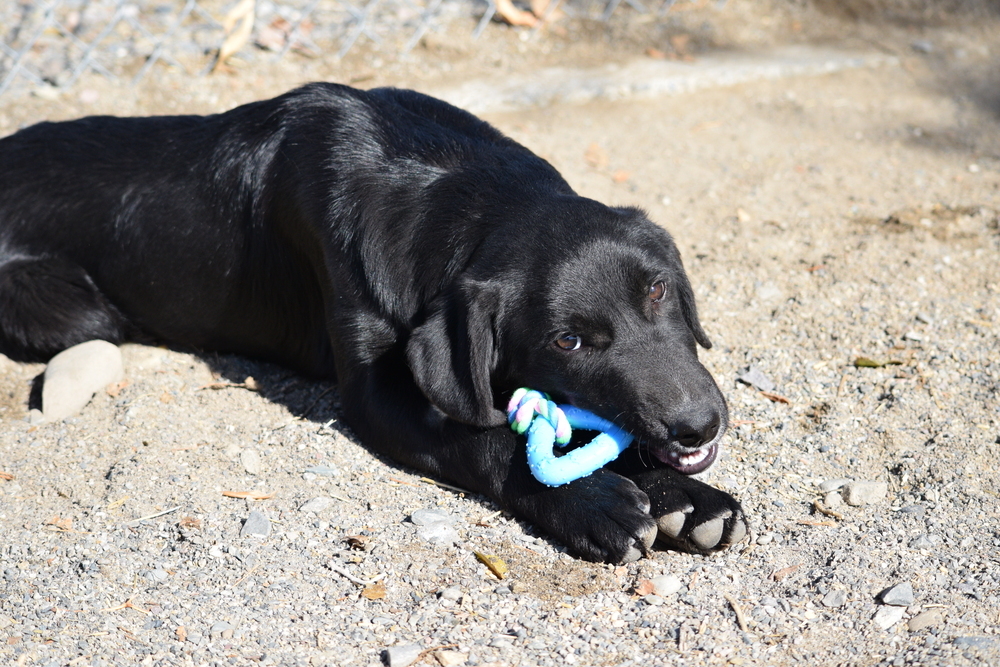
x,y
549,424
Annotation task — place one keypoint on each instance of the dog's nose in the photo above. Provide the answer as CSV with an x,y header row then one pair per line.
x,y
695,430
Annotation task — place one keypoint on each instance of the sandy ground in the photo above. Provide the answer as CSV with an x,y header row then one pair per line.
x,y
822,219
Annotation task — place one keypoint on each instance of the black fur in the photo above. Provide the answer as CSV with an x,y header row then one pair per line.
x,y
397,244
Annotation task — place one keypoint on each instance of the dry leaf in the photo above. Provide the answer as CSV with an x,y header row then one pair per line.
x,y
252,495
374,591
644,587
494,563
190,522
359,542
238,25
115,388
596,156
60,524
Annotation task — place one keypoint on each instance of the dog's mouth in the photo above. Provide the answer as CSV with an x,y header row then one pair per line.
x,y
688,462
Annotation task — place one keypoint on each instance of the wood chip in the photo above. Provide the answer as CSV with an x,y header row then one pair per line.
x,y
495,564
375,591
644,587
778,575
248,495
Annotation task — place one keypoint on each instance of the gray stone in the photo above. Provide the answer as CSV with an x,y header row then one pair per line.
x,y
977,642
834,484
835,598
427,517
653,600
900,595
924,541
220,627
864,493
403,655
74,375
256,525
438,533
321,471
317,504
833,500
159,575
886,617
251,461
755,377
925,619
451,593
666,585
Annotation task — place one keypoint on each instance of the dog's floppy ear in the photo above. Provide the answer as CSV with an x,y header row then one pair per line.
x,y
453,354
690,310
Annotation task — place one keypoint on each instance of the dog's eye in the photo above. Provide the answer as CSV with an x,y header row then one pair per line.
x,y
656,291
569,343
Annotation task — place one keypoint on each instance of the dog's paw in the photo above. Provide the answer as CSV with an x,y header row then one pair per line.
x,y
691,515
603,517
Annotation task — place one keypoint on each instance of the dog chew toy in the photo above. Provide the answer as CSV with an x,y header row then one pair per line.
x,y
548,424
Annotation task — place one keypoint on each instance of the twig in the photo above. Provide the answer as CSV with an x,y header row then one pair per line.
x,y
428,480
6,476
356,580
803,522
153,516
740,618
128,605
823,509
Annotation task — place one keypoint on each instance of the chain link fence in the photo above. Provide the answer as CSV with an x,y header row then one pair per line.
x,y
54,42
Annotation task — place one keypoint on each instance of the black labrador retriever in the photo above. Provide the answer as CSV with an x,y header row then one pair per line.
x,y
409,250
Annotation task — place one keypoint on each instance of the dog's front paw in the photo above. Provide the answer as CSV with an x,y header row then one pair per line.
x,y
603,517
691,515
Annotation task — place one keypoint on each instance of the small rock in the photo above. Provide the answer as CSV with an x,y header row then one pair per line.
x,y
309,476
429,517
450,658
159,575
451,593
653,599
755,377
438,533
835,598
886,617
317,504
251,461
917,510
321,470
925,619
913,335
833,500
977,642
834,484
403,655
256,525
666,585
924,541
766,538
219,628
922,46
900,595
864,493
74,375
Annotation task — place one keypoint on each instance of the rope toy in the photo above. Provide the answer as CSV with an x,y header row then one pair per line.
x,y
548,424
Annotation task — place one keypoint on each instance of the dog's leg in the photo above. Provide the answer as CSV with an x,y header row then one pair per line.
x,y
690,515
49,304
603,517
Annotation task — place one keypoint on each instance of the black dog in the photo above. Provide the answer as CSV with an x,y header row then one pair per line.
x,y
405,248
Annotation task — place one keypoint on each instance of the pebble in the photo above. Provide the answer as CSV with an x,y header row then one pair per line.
x,y
864,493
403,655
977,642
900,595
653,599
256,525
666,585
450,658
321,471
925,619
219,627
924,541
74,375
835,598
158,575
438,533
756,378
251,461
427,517
834,484
886,617
317,504
451,593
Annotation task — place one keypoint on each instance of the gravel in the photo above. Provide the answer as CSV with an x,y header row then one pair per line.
x,y
821,218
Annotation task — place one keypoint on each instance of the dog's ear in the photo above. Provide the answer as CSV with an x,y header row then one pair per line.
x,y
690,310
453,354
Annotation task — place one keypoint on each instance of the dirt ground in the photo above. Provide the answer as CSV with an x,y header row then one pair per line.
x,y
823,220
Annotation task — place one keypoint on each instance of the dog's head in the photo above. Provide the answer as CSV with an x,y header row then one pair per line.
x,y
591,305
